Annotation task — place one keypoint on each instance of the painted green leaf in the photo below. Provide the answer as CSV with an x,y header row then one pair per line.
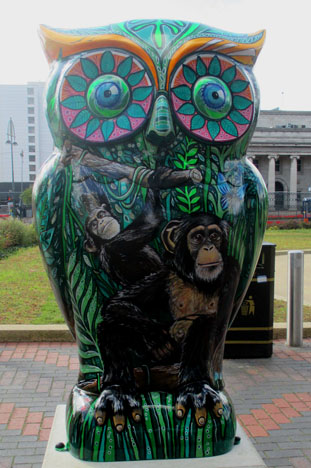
x,y
92,126
182,92
201,67
87,354
238,118
182,199
124,122
92,311
192,192
80,289
77,82
75,275
83,338
229,74
74,102
89,68
241,103
85,369
196,208
189,74
86,297
238,86
195,200
181,157
107,129
87,261
186,109
214,67
197,122
125,67
179,165
107,62
229,127
192,152
81,118
136,78
192,161
213,128
183,208
140,94
180,191
136,111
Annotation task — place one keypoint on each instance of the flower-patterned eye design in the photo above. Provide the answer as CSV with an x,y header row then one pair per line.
x,y
212,98
105,96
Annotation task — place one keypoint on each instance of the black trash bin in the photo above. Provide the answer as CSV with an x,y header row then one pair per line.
x,y
251,334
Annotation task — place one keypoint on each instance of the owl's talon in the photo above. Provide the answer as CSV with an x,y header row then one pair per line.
x,y
137,415
200,416
218,410
180,411
100,417
119,422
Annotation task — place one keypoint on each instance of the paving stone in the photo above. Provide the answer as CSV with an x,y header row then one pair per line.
x,y
300,462
283,453
6,462
263,389
28,459
19,452
33,444
273,462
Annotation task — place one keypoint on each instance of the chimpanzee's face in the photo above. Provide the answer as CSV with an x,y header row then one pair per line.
x,y
204,245
101,224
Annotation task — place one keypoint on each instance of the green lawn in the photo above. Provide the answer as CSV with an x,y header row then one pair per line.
x,y
290,239
26,296
280,311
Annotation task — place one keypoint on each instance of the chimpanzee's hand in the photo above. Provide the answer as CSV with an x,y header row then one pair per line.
x,y
116,401
200,396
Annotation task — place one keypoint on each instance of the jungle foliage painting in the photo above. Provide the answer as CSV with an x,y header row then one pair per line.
x,y
150,219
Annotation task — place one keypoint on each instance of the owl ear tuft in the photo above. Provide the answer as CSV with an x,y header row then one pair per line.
x,y
58,44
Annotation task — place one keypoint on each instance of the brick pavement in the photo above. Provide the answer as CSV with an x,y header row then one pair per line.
x,y
272,398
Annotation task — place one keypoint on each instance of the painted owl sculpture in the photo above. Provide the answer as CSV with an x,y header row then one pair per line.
x,y
150,220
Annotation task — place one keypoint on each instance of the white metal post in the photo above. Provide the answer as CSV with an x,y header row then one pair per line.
x,y
295,298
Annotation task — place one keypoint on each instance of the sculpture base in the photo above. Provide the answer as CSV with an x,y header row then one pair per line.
x,y
242,455
160,435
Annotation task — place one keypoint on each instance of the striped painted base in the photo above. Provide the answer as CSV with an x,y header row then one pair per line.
x,y
159,436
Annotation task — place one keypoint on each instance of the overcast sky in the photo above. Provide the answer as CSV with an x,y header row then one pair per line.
x,y
283,69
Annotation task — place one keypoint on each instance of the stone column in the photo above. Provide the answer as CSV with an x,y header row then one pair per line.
x,y
293,181
271,172
271,180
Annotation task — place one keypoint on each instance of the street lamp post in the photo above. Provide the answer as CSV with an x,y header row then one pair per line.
x,y
11,141
22,160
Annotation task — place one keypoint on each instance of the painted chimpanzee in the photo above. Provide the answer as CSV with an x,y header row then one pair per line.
x,y
178,315
124,255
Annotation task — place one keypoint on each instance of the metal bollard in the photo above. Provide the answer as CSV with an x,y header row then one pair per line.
x,y
295,298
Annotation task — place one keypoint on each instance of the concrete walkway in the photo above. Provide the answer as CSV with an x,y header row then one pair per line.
x,y
272,398
280,291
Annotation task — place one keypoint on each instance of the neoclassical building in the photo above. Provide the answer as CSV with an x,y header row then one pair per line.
x,y
281,149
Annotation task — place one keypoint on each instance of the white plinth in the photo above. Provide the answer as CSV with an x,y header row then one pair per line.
x,y
242,455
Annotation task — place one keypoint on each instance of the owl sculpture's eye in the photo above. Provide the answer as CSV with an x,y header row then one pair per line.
x,y
108,96
212,97
105,96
